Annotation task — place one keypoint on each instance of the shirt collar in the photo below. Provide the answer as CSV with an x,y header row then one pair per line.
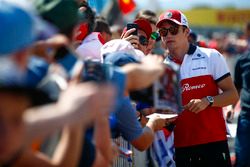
x,y
191,49
94,36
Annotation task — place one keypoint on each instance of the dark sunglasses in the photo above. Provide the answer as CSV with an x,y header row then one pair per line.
x,y
143,40
173,31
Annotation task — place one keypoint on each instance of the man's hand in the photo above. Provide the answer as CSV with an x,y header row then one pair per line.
x,y
133,39
158,123
229,113
85,101
196,105
41,48
142,75
153,61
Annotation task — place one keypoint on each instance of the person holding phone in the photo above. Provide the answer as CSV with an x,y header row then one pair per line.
x,y
151,17
141,40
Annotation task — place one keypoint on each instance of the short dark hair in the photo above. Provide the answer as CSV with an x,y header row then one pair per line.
x,y
101,25
89,16
147,15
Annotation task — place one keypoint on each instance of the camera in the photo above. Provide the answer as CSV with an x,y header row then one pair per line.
x,y
96,71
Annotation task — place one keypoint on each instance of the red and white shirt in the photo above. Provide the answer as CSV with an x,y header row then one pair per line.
x,y
200,71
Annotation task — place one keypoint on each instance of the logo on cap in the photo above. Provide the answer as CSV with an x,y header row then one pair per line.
x,y
168,15
184,21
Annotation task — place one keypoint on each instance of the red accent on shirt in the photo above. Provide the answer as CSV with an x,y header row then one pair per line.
x,y
206,126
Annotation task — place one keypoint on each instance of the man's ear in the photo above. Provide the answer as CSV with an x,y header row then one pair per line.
x,y
187,31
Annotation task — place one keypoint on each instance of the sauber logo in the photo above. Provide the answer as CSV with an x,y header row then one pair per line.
x,y
187,87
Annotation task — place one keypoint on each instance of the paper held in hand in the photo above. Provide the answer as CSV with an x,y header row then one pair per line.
x,y
163,116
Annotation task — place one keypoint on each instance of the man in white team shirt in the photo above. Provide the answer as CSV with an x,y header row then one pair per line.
x,y
200,132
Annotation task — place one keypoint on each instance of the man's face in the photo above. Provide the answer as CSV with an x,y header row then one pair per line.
x,y
143,41
173,36
12,107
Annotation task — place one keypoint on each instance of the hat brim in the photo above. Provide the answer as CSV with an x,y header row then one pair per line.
x,y
145,26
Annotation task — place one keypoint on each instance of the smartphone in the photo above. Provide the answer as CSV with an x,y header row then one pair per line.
x,y
133,25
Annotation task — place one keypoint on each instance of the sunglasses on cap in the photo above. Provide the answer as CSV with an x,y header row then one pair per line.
x,y
173,30
143,40
155,36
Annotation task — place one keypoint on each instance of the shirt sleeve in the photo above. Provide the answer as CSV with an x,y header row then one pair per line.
x,y
118,79
128,125
218,66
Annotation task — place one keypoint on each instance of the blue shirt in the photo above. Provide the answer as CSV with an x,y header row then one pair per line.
x,y
126,120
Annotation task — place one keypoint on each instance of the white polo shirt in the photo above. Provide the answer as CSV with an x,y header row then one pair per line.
x,y
200,71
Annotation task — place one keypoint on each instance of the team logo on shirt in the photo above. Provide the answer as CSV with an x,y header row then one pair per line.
x,y
187,87
198,57
199,68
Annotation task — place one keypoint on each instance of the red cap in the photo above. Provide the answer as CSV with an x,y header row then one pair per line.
x,y
145,26
175,16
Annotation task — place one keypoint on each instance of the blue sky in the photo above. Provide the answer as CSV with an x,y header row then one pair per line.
x,y
187,4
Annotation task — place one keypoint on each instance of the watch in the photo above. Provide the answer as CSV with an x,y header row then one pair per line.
x,y
210,99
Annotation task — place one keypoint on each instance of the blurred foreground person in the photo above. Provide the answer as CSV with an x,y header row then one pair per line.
x,y
242,83
18,127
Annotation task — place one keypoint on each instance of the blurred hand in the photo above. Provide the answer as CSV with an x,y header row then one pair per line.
x,y
85,101
133,39
196,105
170,120
229,113
153,62
158,123
47,48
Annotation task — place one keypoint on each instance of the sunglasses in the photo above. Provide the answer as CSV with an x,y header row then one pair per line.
x,y
173,31
155,36
143,40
